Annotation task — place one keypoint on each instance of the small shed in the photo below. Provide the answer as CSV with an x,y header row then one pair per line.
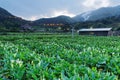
x,y
26,27
96,31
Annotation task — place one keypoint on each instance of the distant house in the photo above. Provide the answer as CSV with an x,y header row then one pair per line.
x,y
96,31
26,27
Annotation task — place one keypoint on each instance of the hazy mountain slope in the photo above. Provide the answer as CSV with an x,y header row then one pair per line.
x,y
98,14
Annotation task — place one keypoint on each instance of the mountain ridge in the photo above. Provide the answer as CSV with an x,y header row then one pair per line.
x,y
9,22
55,20
98,14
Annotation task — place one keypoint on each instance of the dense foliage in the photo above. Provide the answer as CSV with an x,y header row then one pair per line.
x,y
53,57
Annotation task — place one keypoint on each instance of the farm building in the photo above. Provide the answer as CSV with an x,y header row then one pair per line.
x,y
96,31
26,27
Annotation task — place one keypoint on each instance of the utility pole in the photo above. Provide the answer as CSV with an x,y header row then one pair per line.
x,y
73,25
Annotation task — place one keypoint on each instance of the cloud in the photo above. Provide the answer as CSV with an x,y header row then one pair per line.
x,y
33,10
53,13
96,3
62,12
32,18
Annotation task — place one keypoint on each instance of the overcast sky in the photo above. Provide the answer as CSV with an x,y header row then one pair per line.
x,y
35,9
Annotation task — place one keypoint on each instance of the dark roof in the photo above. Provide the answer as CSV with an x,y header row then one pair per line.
x,y
26,26
96,29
